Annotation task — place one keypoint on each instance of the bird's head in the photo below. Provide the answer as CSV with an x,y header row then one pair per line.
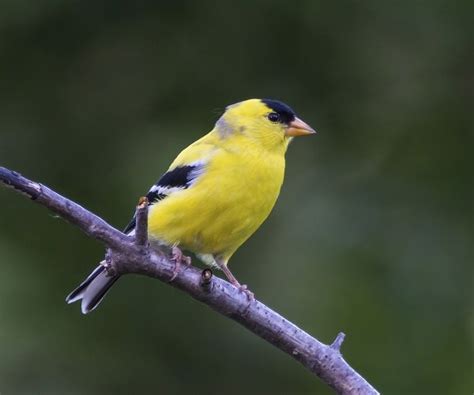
x,y
270,123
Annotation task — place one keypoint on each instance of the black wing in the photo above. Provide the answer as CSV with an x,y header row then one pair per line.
x,y
181,177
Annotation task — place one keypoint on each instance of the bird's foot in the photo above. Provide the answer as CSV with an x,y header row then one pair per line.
x,y
243,288
235,283
178,257
250,295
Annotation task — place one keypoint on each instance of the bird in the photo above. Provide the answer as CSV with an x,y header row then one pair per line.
x,y
217,192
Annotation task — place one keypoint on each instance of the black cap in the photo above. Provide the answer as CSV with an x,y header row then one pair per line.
x,y
285,112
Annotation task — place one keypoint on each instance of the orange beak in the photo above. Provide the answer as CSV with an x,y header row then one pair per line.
x,y
299,128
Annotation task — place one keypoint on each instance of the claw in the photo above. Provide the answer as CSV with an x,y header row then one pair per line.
x,y
187,260
178,257
250,295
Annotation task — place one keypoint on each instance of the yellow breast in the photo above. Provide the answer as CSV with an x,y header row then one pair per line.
x,y
227,203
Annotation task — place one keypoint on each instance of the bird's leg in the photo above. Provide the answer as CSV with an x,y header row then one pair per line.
x,y
178,257
242,287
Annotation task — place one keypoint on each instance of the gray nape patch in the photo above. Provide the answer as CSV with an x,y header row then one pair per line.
x,y
223,127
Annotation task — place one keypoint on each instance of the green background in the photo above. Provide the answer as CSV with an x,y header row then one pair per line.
x,y
372,234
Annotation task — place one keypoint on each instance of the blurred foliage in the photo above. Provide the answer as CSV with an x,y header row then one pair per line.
x,y
372,235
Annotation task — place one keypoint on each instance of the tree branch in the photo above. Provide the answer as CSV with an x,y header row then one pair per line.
x,y
133,255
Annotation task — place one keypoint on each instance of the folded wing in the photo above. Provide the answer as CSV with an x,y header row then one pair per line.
x,y
176,179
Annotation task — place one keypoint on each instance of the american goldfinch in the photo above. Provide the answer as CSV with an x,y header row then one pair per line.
x,y
217,192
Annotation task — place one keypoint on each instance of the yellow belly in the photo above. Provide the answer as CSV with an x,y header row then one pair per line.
x,y
223,208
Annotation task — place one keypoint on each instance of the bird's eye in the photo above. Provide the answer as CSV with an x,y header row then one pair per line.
x,y
274,117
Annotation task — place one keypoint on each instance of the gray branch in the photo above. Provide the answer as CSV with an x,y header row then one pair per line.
x,y
134,255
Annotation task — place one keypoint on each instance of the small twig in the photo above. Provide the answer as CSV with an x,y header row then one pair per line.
x,y
125,256
337,343
141,227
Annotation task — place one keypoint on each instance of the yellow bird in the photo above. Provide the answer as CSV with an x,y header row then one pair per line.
x,y
217,192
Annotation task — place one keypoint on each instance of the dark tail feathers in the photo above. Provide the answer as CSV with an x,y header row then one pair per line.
x,y
92,290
